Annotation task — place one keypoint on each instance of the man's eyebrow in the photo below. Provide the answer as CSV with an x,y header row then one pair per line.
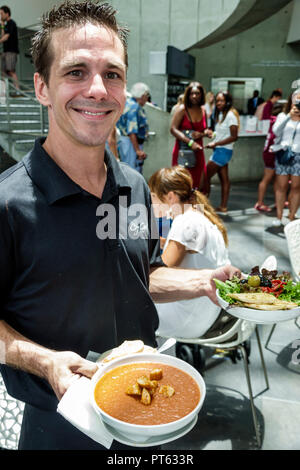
x,y
71,64
110,65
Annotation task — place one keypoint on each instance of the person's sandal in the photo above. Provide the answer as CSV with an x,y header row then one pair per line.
x,y
262,208
222,210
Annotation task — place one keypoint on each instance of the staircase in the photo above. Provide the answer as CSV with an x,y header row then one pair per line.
x,y
22,119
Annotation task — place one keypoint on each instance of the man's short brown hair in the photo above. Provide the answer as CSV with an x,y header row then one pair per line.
x,y
66,15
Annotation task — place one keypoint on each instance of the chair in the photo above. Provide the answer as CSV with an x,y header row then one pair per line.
x,y
233,340
292,234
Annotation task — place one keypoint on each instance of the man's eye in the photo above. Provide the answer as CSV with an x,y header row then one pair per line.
x,y
112,75
75,73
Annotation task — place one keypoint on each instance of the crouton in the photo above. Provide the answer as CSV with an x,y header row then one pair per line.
x,y
144,382
167,391
146,397
134,389
156,374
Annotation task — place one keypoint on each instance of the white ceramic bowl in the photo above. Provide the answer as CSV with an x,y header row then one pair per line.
x,y
264,317
140,433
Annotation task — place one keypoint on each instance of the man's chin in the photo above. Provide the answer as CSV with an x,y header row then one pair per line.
x,y
90,141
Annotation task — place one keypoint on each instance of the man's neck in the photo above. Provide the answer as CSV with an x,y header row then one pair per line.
x,y
84,165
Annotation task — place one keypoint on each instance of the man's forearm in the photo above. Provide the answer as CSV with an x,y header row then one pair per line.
x,y
21,353
173,284
58,367
4,38
134,142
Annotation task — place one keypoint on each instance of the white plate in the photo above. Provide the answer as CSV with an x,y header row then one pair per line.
x,y
259,316
151,441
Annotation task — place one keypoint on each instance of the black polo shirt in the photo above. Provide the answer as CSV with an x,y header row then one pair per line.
x,y
12,43
63,283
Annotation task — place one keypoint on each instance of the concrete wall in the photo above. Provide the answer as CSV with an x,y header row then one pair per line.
x,y
261,51
155,24
294,32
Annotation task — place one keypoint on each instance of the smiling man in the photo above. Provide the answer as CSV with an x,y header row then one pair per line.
x,y
64,290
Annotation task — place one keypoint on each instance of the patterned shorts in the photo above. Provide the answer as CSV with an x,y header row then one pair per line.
x,y
9,61
291,168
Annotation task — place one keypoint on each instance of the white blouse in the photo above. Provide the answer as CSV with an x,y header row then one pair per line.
x,y
284,128
223,128
192,318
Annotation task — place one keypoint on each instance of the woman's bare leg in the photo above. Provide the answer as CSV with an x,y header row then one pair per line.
x,y
211,169
281,187
262,187
225,186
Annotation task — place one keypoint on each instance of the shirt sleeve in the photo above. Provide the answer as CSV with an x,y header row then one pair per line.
x,y
280,123
188,231
132,121
231,119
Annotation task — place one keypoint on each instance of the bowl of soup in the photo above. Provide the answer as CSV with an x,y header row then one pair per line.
x,y
147,395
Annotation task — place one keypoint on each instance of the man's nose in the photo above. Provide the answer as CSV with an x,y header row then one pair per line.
x,y
97,88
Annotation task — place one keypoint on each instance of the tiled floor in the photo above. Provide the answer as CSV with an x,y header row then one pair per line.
x,y
225,421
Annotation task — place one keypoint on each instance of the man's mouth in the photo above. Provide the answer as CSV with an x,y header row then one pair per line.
x,y
92,114
95,114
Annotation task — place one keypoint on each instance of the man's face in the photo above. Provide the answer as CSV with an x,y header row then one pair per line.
x,y
3,15
144,99
86,92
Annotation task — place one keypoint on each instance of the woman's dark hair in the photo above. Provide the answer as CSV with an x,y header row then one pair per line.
x,y
228,105
66,15
276,93
186,97
288,105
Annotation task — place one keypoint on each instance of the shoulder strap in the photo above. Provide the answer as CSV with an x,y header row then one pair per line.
x,y
189,117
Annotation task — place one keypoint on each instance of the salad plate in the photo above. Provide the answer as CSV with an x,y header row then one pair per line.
x,y
263,296
258,316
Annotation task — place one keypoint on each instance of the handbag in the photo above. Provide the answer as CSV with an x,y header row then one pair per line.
x,y
186,156
284,156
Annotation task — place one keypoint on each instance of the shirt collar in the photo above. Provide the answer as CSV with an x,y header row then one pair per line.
x,y
55,184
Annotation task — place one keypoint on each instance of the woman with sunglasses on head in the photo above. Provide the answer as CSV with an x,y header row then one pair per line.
x,y
190,116
226,133
197,239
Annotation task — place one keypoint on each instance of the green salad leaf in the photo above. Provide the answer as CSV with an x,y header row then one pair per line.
x,y
228,287
291,292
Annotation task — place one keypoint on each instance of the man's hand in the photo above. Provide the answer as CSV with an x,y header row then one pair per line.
x,y
141,155
65,367
223,273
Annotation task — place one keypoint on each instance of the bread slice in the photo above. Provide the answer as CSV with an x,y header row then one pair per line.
x,y
254,298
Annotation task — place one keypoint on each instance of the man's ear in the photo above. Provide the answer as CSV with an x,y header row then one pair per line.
x,y
41,90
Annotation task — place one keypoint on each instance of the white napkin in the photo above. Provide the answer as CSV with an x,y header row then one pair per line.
x,y
76,408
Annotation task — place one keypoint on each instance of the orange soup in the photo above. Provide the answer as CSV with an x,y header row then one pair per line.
x,y
111,396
